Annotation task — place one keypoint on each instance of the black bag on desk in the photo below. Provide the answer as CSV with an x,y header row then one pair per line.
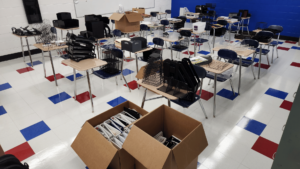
x,y
218,32
142,40
9,161
147,54
263,39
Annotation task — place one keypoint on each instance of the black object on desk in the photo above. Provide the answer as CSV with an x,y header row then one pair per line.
x,y
131,46
65,21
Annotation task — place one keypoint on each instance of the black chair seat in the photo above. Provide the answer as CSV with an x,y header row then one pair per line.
x,y
220,77
245,62
199,40
103,75
274,43
263,51
179,48
185,103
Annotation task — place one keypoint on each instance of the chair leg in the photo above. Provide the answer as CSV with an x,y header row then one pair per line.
x,y
202,107
209,81
268,59
277,52
209,47
116,80
248,30
272,54
253,71
232,87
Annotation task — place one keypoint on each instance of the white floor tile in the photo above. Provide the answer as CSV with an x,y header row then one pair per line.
x,y
256,160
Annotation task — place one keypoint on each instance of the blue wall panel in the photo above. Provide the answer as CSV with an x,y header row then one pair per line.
x,y
275,12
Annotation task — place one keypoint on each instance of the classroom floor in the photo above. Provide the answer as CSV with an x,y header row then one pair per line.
x,y
39,121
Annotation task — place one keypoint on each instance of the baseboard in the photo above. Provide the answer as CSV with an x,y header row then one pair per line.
x,y
18,55
289,38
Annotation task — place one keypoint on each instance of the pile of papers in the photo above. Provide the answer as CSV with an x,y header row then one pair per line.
x,y
197,59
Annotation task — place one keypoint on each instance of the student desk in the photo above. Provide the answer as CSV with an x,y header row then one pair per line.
x,y
154,27
68,29
242,54
84,65
197,33
170,41
216,72
229,26
49,49
174,21
214,37
99,46
27,44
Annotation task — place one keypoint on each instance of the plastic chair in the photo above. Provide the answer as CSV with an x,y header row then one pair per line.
x,y
227,55
183,44
103,75
153,15
168,11
264,51
222,22
158,42
143,28
200,41
165,23
275,43
201,72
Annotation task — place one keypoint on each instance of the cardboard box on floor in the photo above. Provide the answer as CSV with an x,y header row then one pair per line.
x,y
128,22
151,154
139,10
1,151
95,150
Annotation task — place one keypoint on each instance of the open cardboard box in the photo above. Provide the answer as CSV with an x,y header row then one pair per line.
x,y
1,151
139,10
151,154
128,22
95,150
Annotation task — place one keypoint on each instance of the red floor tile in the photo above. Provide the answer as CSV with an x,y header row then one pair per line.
x,y
24,70
132,85
128,59
64,64
186,52
205,95
197,44
286,105
265,147
264,66
292,42
22,151
295,64
64,52
58,76
132,35
83,97
283,48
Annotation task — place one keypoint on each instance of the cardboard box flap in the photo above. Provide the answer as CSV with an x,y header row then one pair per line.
x,y
134,17
93,148
140,74
116,16
144,148
190,147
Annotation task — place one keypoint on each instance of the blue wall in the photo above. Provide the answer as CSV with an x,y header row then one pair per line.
x,y
275,12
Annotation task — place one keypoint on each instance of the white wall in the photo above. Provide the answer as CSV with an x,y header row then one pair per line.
x,y
12,14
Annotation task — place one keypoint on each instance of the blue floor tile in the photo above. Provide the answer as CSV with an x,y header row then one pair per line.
x,y
102,41
35,130
237,40
280,43
34,63
276,93
203,52
59,97
198,164
5,86
117,101
150,43
227,94
71,77
2,110
255,60
251,125
295,47
127,72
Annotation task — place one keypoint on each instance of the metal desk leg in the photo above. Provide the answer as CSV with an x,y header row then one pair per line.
x,y
90,90
144,98
169,103
22,48
240,75
201,105
61,33
259,61
75,92
137,66
215,95
29,51
53,68
214,39
171,50
98,49
44,63
195,44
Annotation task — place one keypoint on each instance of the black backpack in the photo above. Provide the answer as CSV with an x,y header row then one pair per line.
x,y
9,161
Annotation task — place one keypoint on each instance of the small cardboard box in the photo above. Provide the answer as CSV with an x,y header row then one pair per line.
x,y
139,10
95,150
128,22
151,154
1,151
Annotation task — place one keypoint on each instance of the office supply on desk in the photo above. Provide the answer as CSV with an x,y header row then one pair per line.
x,y
64,20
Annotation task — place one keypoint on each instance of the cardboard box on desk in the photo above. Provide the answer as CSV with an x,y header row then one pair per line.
x,y
139,10
95,150
151,154
128,22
